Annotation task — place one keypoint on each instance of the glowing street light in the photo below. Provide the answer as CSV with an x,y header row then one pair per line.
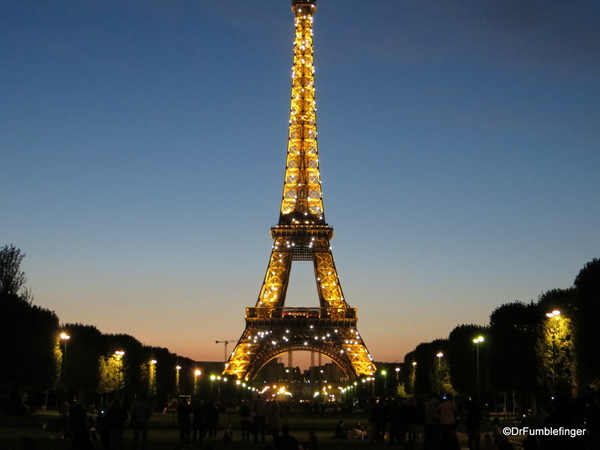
x,y
384,373
118,357
440,355
177,370
556,314
152,377
65,337
478,340
197,374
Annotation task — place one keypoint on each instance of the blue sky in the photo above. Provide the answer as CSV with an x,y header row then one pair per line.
x,y
143,149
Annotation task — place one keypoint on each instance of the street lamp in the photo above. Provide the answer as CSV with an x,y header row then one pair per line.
x,y
177,369
197,374
65,337
478,340
553,331
397,369
439,377
384,373
152,379
440,356
119,358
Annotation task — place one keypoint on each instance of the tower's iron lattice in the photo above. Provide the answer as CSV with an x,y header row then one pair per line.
x,y
301,235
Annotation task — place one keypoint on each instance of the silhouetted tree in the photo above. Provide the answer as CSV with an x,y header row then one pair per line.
x,y
409,374
432,373
29,352
514,333
111,373
132,360
462,357
555,348
586,323
84,349
12,278
424,358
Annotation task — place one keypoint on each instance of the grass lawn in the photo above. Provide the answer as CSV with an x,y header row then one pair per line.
x,y
164,435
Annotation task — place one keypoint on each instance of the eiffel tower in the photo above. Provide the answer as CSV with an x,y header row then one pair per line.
x,y
301,235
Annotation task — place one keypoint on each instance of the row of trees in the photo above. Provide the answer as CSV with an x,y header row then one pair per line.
x,y
535,350
39,355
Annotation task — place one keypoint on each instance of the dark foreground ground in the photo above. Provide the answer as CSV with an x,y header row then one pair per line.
x,y
164,435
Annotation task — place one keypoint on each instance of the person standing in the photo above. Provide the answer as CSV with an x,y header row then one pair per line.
x,y
274,417
448,419
79,429
141,411
198,425
245,420
260,418
184,421
472,422
211,418
432,423
114,420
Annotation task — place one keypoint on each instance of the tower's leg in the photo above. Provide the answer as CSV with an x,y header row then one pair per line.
x,y
275,284
328,283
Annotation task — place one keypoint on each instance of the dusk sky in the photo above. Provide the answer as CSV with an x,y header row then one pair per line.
x,y
143,144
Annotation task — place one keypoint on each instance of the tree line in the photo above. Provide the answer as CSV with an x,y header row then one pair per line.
x,y
533,351
41,357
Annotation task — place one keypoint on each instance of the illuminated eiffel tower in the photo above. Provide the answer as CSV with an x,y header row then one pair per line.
x,y
301,235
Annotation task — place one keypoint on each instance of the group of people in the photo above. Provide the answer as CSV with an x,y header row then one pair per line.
x,y
198,420
109,426
262,417
259,418
396,417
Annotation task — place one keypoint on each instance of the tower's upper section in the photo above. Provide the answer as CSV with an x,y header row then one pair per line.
x,y
312,4
302,200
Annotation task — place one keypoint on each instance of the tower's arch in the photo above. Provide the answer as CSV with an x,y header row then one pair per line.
x,y
258,363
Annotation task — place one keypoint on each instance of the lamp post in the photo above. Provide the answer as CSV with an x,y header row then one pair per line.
x,y
119,359
478,340
212,382
152,380
555,314
197,374
384,373
440,384
65,337
219,379
177,369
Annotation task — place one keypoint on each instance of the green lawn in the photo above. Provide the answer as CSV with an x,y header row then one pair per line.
x,y
163,432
